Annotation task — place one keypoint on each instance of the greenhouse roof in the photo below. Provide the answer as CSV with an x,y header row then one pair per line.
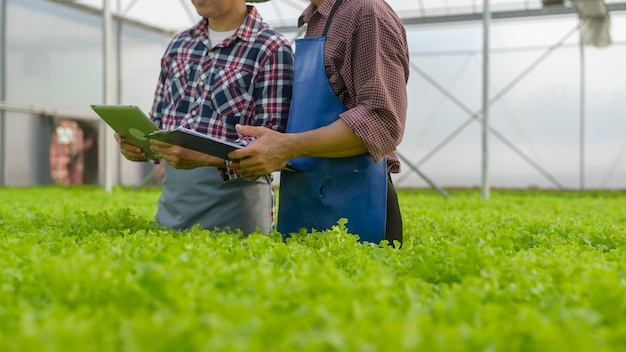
x,y
175,15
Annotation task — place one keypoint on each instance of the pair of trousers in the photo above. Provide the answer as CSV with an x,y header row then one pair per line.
x,y
394,217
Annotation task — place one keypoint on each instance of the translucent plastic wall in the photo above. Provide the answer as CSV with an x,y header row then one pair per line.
x,y
540,137
536,113
54,61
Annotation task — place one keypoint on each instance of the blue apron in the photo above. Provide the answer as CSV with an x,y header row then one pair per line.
x,y
328,189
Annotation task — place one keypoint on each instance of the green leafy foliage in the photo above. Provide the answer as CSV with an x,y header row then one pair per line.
x,y
85,270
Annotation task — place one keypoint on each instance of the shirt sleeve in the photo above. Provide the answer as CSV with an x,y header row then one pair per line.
x,y
273,88
376,79
156,112
272,93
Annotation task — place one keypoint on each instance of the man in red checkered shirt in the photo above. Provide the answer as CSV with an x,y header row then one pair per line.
x,y
366,64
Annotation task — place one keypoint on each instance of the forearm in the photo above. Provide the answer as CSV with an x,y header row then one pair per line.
x,y
333,141
183,158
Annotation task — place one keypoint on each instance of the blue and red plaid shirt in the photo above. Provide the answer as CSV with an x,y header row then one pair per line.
x,y
246,79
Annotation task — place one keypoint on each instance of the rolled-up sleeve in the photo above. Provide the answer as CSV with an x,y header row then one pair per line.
x,y
376,79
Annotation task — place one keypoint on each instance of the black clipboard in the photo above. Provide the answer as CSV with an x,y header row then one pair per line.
x,y
191,139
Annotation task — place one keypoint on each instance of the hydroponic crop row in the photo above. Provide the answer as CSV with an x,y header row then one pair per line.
x,y
85,270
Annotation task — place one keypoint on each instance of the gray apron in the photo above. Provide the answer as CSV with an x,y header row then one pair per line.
x,y
200,196
328,189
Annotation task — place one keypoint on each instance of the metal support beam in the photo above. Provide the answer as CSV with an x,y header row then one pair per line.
x,y
477,17
422,175
3,85
474,115
496,15
582,108
119,77
40,110
107,53
422,18
485,184
96,11
502,15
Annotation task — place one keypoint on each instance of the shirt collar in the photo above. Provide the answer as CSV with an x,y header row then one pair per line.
x,y
323,10
248,30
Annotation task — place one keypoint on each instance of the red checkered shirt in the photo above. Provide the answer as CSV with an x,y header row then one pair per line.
x,y
367,64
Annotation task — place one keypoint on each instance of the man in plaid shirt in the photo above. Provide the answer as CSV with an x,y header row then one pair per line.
x,y
231,68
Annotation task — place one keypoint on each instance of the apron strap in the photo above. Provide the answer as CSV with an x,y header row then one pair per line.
x,y
330,17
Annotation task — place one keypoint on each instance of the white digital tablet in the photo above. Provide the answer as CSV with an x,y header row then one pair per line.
x,y
130,122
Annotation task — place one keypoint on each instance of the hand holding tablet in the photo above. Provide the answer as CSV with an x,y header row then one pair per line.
x,y
130,122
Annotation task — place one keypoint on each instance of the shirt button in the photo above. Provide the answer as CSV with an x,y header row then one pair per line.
x,y
211,54
200,83
193,113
